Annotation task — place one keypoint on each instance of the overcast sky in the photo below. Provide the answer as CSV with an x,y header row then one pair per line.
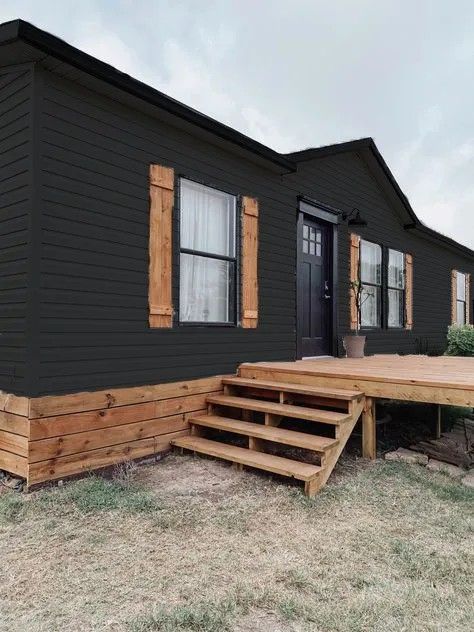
x,y
300,73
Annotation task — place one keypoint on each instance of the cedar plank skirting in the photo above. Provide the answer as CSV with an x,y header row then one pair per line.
x,y
14,434
52,437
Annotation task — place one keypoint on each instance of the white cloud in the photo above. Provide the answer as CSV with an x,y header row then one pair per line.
x,y
264,129
440,184
305,75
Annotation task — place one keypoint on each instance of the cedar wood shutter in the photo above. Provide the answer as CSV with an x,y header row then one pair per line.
x,y
454,297
249,262
354,277
408,291
161,216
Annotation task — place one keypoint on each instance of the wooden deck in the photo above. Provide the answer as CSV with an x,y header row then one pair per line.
x,y
435,380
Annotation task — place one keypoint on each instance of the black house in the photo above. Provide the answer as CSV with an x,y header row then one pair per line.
x,y
144,243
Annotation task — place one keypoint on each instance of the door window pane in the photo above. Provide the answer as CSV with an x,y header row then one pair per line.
x,y
312,241
205,288
207,219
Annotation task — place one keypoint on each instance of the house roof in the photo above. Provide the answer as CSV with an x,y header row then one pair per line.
x,y
368,145
48,44
19,30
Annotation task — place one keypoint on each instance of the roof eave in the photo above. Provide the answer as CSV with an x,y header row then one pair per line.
x,y
52,45
369,144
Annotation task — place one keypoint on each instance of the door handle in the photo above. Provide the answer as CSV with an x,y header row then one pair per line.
x,y
326,289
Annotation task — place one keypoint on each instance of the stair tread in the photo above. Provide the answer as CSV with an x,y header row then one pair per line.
x,y
286,410
252,458
269,433
288,387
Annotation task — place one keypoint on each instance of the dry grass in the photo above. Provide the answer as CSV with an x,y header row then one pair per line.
x,y
190,544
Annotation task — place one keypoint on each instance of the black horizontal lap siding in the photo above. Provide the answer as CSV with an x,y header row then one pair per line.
x,y
95,155
88,208
15,197
344,181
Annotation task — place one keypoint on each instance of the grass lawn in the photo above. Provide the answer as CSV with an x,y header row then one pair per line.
x,y
191,544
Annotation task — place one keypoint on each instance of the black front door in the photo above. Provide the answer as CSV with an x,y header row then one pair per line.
x,y
314,288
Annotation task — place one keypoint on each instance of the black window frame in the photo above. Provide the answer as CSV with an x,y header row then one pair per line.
x,y
389,287
234,298
464,301
380,294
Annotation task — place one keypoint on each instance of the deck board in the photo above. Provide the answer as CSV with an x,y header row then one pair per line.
x,y
444,379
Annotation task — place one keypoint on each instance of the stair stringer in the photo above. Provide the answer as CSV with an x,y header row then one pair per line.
x,y
330,458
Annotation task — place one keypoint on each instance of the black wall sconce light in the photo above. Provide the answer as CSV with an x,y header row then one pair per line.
x,y
354,218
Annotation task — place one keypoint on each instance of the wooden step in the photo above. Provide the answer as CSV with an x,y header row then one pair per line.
x,y
269,433
287,387
260,460
284,410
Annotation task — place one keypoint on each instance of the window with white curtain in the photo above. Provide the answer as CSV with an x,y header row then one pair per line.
x,y
395,288
371,282
207,254
461,299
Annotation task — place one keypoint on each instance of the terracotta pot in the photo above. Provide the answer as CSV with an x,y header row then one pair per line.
x,y
354,346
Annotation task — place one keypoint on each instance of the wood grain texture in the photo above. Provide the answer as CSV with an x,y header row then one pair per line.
x,y
44,449
13,463
269,433
269,462
408,291
284,410
249,263
436,380
102,457
329,393
84,431
59,425
369,437
17,424
52,405
353,277
160,249
13,443
14,404
454,296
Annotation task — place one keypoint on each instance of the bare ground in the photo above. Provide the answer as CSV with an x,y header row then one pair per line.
x,y
191,544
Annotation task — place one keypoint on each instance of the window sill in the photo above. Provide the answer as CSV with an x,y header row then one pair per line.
x,y
205,324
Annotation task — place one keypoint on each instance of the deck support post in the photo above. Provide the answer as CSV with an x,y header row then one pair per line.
x,y
438,422
369,432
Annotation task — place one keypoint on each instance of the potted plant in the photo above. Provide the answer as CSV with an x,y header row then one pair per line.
x,y
354,344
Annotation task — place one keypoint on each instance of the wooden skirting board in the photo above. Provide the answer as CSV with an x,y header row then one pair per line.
x,y
52,437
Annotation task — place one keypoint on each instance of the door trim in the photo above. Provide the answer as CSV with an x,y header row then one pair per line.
x,y
330,217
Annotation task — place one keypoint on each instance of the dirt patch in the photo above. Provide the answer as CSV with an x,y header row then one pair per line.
x,y
183,476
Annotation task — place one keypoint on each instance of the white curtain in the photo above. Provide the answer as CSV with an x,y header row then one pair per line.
x,y
370,272
396,266
370,262
207,225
